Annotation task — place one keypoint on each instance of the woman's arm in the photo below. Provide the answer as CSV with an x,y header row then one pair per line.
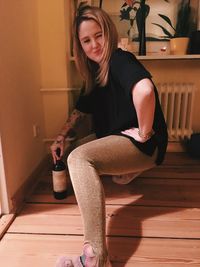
x,y
73,121
144,101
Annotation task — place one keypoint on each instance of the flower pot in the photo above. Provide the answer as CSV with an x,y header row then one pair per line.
x,y
179,45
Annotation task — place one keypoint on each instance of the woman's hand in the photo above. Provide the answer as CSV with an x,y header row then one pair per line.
x,y
58,143
135,133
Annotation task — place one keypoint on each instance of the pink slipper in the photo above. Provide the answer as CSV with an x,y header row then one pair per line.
x,y
125,178
64,261
91,260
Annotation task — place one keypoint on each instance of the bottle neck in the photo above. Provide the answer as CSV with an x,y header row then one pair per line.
x,y
60,164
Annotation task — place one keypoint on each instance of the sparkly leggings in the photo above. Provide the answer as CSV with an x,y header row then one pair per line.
x,y
111,155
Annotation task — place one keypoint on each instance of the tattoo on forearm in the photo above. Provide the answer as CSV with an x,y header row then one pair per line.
x,y
73,121
75,118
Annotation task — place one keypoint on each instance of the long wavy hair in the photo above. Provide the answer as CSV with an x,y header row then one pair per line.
x,y
84,65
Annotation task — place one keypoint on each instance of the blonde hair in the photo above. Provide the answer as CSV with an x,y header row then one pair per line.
x,y
84,64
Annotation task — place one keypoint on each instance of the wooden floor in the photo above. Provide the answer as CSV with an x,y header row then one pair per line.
x,y
154,221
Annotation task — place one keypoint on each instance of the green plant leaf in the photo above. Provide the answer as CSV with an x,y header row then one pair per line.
x,y
167,19
166,32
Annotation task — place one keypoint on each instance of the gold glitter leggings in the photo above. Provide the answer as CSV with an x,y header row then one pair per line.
x,y
111,155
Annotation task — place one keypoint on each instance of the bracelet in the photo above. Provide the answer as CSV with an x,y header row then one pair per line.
x,y
147,135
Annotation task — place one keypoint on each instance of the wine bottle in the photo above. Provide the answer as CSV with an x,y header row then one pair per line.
x,y
59,178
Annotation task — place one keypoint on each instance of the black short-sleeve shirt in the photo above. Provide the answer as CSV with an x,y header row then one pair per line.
x,y
113,109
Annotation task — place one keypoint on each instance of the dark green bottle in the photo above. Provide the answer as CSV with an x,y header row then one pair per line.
x,y
59,178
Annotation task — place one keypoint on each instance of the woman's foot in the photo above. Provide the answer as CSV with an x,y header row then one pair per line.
x,y
125,178
88,259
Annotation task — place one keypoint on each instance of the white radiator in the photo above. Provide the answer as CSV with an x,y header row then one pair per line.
x,y
177,104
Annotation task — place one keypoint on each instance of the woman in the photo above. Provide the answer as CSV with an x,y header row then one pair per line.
x,y
130,133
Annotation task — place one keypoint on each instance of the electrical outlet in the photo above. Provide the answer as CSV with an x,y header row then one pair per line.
x,y
36,130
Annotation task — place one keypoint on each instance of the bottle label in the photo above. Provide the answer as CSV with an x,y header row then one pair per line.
x,y
59,181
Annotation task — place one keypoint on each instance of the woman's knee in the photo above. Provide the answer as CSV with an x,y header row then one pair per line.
x,y
77,156
72,157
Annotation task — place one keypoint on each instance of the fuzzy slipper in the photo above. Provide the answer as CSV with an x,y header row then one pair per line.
x,y
64,261
89,259
125,178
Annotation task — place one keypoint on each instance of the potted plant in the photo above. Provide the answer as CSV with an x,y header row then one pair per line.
x,y
179,37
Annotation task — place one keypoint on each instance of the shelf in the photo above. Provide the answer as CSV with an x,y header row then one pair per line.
x,y
169,57
163,57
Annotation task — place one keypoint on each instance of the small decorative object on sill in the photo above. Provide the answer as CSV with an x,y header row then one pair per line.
x,y
123,44
136,10
141,16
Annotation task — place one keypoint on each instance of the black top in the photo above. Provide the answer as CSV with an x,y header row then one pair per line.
x,y
113,109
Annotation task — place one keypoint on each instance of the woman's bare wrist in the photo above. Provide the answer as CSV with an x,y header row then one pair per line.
x,y
59,139
62,135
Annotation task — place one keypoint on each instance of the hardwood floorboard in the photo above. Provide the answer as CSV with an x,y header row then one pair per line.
x,y
5,221
180,159
19,250
174,172
152,222
141,191
137,221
